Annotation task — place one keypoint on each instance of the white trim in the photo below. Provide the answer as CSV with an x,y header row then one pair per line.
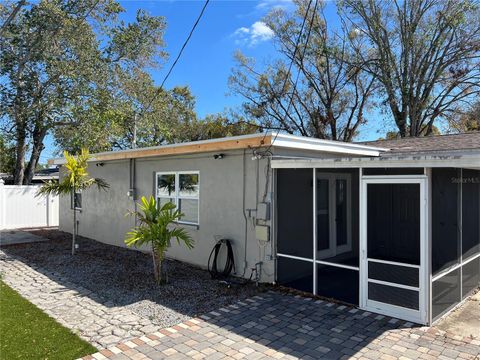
x,y
393,263
329,146
465,159
277,140
295,257
328,263
394,311
397,285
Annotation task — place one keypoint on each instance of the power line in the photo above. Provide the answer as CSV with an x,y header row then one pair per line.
x,y
159,90
293,59
179,53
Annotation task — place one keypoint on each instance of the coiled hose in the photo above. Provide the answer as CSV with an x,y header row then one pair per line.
x,y
229,264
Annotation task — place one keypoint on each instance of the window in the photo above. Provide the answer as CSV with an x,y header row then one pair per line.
x,y
182,189
77,200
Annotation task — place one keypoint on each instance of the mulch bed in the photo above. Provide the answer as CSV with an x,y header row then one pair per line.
x,y
123,277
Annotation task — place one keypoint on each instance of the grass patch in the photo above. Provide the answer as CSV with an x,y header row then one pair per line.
x,y
26,332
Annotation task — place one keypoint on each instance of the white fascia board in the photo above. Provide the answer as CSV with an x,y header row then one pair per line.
x,y
469,160
328,146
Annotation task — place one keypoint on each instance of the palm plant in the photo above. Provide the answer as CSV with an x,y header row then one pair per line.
x,y
75,180
156,230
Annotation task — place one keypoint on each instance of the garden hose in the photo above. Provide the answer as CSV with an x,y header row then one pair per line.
x,y
229,264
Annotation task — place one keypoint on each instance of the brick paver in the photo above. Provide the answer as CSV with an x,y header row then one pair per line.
x,y
283,326
94,319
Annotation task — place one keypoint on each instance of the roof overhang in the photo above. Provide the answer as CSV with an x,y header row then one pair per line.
x,y
458,160
274,140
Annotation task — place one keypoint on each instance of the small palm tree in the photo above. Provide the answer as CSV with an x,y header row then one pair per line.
x,y
76,179
156,229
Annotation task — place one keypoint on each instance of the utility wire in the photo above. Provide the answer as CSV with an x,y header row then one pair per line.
x,y
160,89
301,60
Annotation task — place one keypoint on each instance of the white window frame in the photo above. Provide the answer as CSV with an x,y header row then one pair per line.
x,y
176,195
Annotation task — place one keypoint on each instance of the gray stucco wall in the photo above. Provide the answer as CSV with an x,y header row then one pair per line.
x,y
221,206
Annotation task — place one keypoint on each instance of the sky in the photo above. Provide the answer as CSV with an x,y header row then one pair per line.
x,y
206,63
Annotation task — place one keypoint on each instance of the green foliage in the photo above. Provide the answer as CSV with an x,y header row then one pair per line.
x,y
62,61
7,156
29,333
156,229
76,178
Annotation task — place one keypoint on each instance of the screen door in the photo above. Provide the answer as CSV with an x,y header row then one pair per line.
x,y
393,247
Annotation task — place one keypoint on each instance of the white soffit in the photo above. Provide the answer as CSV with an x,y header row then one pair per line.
x,y
328,146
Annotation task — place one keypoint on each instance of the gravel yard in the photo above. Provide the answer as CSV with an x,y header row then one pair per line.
x,y
123,277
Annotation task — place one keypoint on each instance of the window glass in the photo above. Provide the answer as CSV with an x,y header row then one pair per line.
x,y
189,209
188,185
181,189
162,201
166,185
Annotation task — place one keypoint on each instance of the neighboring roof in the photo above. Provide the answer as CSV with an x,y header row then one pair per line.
x,y
253,141
429,144
40,175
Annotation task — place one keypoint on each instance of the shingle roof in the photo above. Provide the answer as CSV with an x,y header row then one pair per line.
x,y
464,141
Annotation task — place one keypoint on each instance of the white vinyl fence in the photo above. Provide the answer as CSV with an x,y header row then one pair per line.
x,y
20,208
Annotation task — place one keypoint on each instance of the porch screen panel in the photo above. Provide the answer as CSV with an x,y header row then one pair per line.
x,y
446,293
470,276
294,212
393,222
445,218
296,274
470,213
338,283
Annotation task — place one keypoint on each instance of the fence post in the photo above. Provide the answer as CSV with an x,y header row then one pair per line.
x,y
2,203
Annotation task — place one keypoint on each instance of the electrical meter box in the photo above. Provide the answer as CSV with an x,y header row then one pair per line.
x,y
262,233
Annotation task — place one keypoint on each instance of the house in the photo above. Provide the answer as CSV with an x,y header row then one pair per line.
x,y
392,226
39,177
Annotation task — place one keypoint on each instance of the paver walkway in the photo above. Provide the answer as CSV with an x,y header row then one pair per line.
x,y
281,326
92,318
273,325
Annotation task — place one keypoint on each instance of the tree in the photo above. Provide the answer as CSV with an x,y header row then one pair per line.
x,y
467,119
57,54
214,126
156,230
75,180
425,54
7,156
332,93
